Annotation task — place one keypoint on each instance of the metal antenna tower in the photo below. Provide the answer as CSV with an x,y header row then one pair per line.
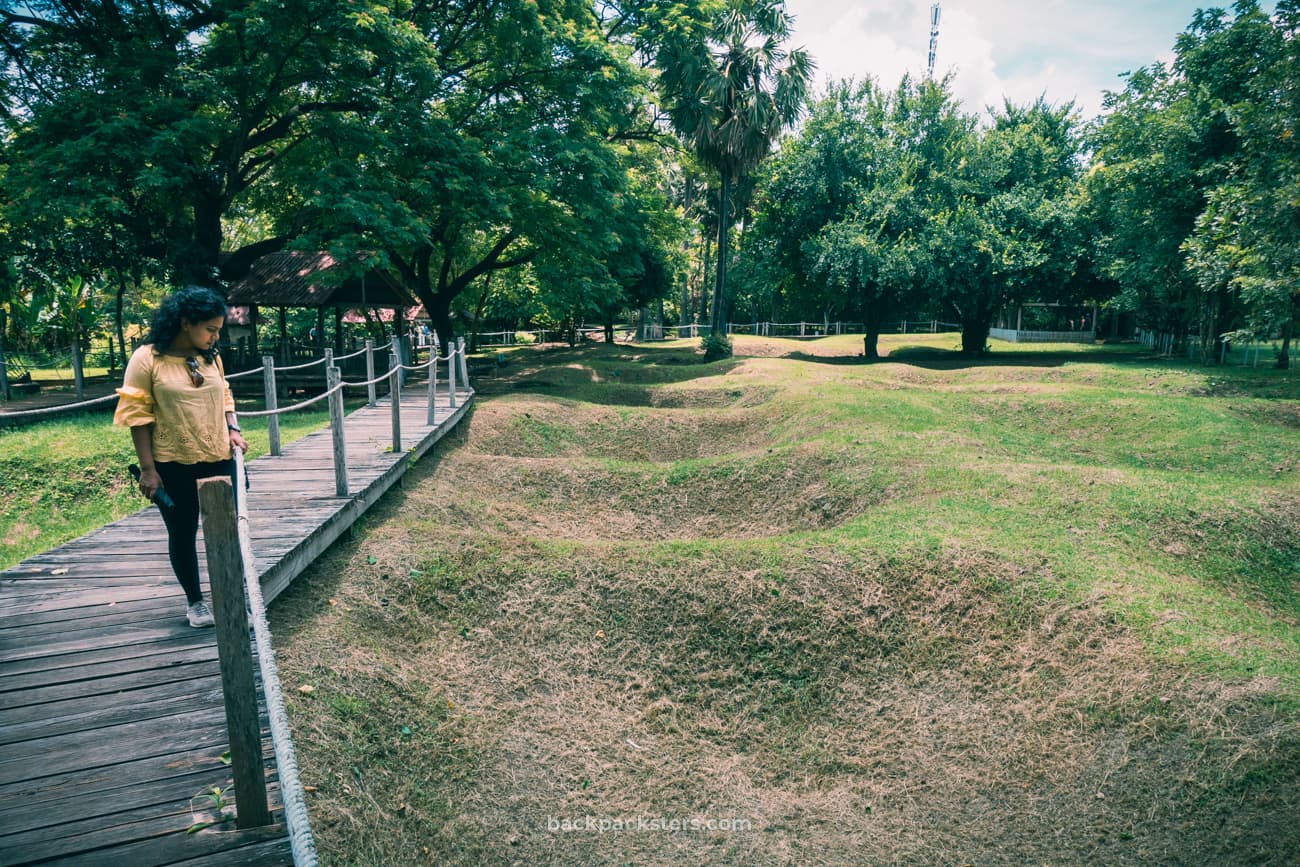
x,y
934,38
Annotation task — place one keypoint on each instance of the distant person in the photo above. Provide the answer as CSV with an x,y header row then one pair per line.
x,y
176,402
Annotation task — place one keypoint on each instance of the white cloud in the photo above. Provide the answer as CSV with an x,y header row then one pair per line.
x,y
1019,49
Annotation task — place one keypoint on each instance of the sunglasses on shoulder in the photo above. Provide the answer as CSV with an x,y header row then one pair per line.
x,y
192,365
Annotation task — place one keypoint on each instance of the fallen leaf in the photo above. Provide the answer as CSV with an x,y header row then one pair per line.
x,y
306,688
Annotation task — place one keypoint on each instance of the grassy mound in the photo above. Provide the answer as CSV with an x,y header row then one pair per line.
x,y
1041,610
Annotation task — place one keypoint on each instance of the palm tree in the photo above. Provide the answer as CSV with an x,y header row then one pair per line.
x,y
729,94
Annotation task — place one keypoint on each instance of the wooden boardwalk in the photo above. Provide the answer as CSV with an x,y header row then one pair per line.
x,y
111,718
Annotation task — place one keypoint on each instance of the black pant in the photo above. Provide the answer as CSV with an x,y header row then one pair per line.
x,y
181,482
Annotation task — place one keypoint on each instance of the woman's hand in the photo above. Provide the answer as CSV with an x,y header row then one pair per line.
x,y
237,440
150,482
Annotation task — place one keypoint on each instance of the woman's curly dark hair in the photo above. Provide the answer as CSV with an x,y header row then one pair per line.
x,y
192,304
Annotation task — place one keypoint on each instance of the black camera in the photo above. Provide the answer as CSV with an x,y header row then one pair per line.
x,y
160,496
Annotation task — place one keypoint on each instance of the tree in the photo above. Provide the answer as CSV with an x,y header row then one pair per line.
x,y
838,214
1185,165
1011,237
729,93
1247,239
153,121
502,148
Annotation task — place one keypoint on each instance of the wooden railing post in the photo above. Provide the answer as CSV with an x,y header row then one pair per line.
x,y
370,372
78,372
235,655
332,378
395,392
464,365
4,367
272,402
451,375
431,416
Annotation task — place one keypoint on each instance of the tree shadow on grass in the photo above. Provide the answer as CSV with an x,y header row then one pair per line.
x,y
949,359
605,373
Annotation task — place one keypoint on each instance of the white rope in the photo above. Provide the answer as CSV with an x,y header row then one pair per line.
x,y
301,366
353,355
55,410
416,367
296,406
377,379
286,761
231,376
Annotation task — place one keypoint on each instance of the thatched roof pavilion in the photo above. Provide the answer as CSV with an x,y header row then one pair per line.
x,y
314,279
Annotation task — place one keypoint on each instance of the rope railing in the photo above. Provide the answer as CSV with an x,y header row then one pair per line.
x,y
262,413
303,366
335,385
231,376
292,796
54,410
362,351
343,383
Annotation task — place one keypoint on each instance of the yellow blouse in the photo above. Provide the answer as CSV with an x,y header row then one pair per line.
x,y
189,421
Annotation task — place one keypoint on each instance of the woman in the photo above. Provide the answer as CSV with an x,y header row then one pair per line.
x,y
182,418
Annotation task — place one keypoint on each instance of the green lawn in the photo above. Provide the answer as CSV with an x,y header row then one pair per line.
x,y
61,479
1035,608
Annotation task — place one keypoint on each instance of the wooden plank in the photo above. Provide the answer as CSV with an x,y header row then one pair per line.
x,y
112,745
76,611
107,694
105,785
96,618
35,722
91,639
171,846
157,660
115,685
57,662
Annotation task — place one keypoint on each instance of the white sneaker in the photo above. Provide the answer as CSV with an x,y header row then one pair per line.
x,y
199,614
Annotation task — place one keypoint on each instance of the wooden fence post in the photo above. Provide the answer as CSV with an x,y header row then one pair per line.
x,y
4,367
395,392
370,372
332,378
272,402
464,365
431,416
235,655
451,375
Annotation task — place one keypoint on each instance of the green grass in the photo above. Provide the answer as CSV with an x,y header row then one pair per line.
x,y
924,610
61,479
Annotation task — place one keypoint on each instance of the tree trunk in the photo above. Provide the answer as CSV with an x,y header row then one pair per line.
x,y
704,278
684,314
609,331
118,328
873,316
284,336
4,364
717,321
974,336
478,311
1284,355
438,306
202,265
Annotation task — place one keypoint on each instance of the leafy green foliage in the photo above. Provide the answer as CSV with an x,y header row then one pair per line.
x,y
729,92
1194,181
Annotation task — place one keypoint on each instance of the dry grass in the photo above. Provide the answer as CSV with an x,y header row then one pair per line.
x,y
584,610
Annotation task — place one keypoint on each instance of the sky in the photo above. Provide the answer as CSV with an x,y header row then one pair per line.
x,y
1020,49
